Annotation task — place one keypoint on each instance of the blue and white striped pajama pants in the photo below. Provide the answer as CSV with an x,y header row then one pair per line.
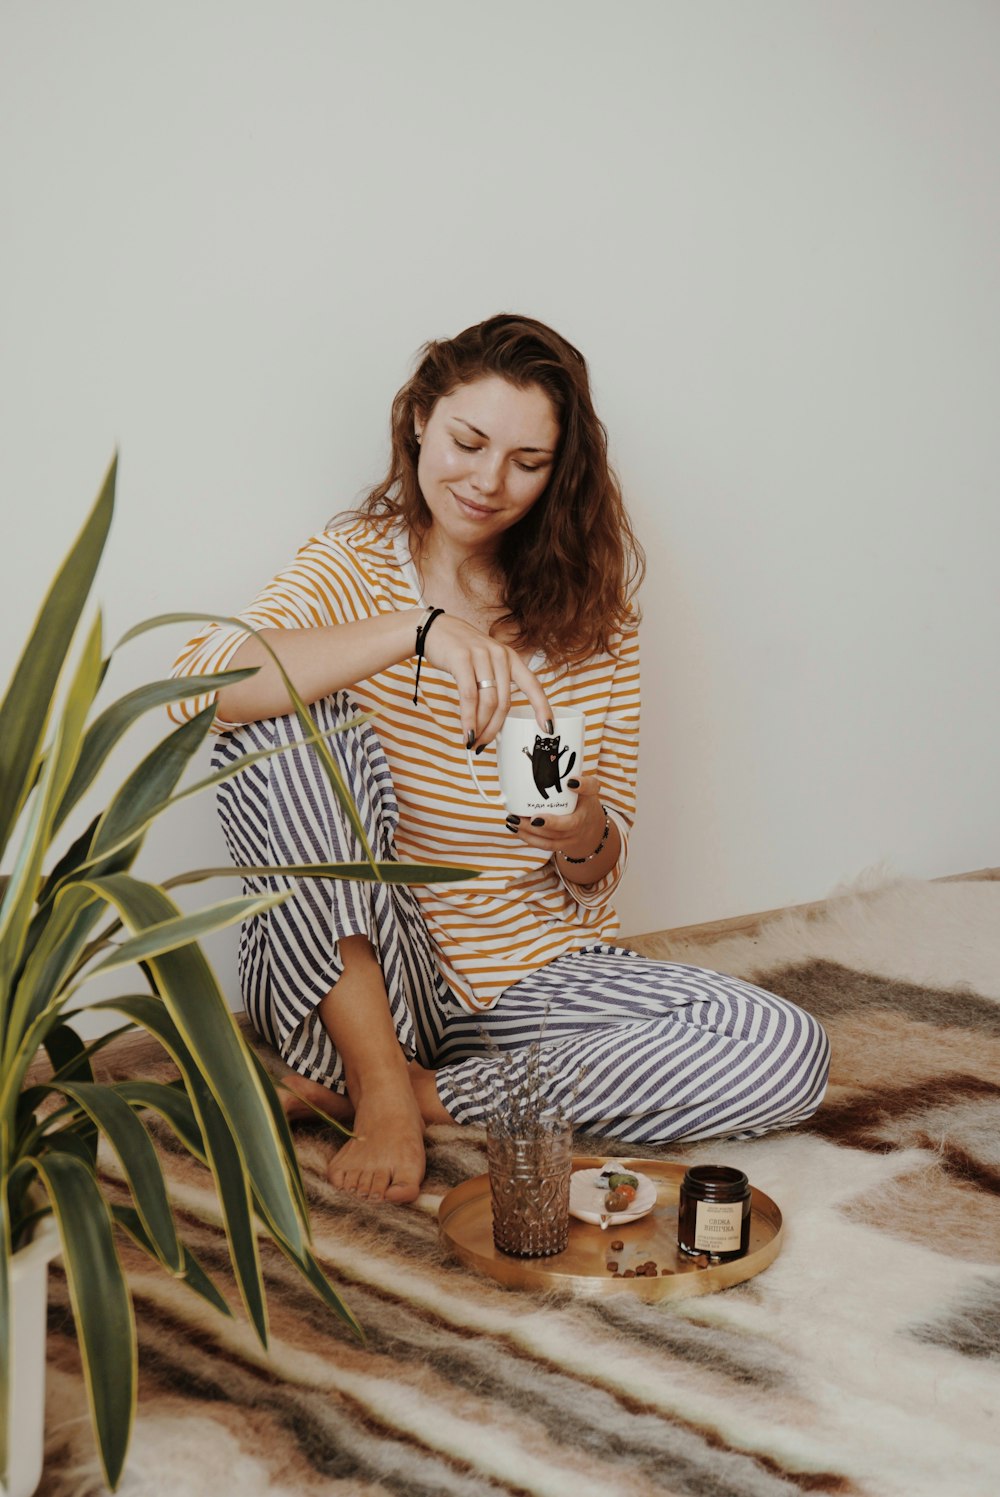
x,y
635,1049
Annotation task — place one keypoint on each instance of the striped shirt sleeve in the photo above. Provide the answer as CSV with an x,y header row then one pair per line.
x,y
323,585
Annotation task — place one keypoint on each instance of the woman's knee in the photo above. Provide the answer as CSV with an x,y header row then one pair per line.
x,y
304,801
807,1069
352,744
356,951
821,1067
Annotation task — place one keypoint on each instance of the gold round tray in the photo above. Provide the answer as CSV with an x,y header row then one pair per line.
x,y
466,1225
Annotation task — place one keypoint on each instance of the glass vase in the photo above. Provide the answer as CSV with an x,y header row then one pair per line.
x,y
529,1190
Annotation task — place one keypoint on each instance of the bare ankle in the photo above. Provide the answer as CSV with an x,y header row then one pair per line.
x,y
385,1079
424,1084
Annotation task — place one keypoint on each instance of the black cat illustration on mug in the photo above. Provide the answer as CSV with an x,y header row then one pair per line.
x,y
545,766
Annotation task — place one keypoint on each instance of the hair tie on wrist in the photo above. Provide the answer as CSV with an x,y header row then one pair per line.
x,y
600,846
422,628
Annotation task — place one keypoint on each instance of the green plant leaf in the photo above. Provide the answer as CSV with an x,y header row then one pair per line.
x,y
30,1128
139,1160
191,994
19,896
26,1204
121,828
164,620
25,1122
77,1066
172,1103
150,783
40,918
282,1129
79,860
224,1158
81,1145
180,930
391,873
236,1195
43,976
5,1319
68,1055
24,713
309,1267
74,855
192,1273
106,730
102,1308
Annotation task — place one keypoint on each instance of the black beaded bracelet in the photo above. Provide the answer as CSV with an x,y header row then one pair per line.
x,y
422,628
600,846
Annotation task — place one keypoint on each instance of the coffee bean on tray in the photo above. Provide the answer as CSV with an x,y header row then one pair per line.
x,y
612,1267
617,1245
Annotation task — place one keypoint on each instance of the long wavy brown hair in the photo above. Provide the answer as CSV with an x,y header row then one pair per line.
x,y
569,569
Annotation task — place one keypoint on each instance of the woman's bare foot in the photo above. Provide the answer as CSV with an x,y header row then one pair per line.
x,y
386,1165
385,1159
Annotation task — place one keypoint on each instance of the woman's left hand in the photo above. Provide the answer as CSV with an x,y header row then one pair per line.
x,y
576,834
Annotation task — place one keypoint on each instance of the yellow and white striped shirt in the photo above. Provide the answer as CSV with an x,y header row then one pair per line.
x,y
519,913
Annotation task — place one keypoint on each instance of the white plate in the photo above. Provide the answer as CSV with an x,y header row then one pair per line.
x,y
586,1201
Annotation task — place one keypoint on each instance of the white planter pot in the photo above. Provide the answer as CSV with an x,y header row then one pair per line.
x,y
29,1282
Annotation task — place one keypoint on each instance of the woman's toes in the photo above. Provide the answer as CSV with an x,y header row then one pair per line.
x,y
403,1189
378,1185
360,1183
337,1175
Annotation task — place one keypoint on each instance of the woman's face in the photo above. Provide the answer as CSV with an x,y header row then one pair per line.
x,y
486,455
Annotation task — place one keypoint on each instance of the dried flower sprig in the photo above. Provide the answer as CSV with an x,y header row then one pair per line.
x,y
521,1104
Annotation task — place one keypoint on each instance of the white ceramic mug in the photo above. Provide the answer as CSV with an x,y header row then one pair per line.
x,y
534,766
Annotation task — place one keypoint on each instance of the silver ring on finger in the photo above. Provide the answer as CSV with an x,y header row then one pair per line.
x,y
486,685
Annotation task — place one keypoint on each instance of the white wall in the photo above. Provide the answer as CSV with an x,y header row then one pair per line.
x,y
773,229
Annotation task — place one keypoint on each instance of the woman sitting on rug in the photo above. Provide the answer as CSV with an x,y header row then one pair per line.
x,y
500,509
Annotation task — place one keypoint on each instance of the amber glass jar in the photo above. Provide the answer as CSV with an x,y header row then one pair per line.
x,y
714,1212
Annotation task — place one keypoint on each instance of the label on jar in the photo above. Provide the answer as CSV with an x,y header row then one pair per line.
x,y
718,1228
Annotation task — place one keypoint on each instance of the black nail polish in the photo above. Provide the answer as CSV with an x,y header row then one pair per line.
x,y
550,726
470,738
573,784
512,829
480,747
513,821
537,821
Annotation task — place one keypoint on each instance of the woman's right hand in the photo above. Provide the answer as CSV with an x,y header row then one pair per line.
x,y
471,656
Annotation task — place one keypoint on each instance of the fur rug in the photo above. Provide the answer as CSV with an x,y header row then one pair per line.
x,y
865,1362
